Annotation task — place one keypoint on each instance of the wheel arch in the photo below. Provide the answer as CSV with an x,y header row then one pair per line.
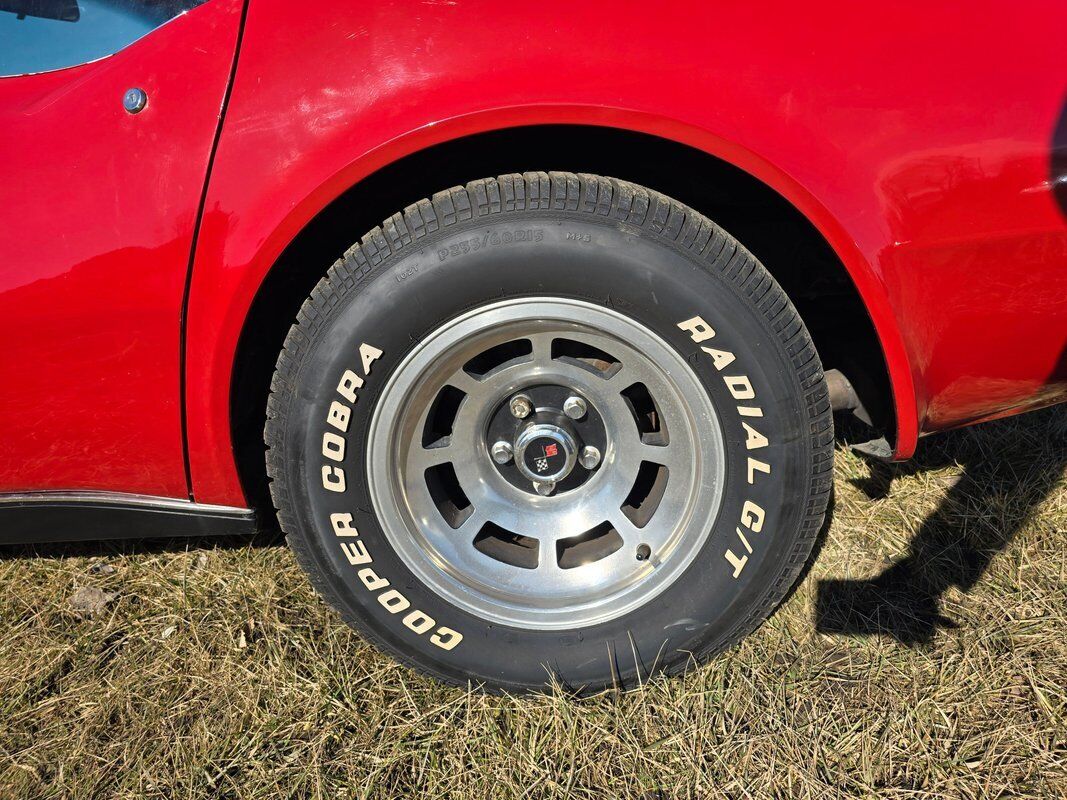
x,y
821,268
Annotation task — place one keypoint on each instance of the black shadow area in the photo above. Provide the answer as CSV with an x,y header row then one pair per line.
x,y
1009,468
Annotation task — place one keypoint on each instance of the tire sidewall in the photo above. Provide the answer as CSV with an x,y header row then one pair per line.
x,y
604,262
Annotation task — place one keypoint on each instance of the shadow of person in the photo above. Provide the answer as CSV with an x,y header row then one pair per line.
x,y
1009,468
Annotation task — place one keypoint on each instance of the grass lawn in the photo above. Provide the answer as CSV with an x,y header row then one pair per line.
x,y
924,655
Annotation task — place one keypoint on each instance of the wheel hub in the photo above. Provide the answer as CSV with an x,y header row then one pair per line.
x,y
545,452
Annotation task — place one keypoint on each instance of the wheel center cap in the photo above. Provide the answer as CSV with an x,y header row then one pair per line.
x,y
545,453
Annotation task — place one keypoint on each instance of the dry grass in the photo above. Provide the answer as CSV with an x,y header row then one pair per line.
x,y
215,672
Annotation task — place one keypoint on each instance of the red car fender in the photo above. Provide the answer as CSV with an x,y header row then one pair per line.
x,y
886,134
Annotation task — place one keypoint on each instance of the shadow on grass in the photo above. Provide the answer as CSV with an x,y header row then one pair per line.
x,y
1009,468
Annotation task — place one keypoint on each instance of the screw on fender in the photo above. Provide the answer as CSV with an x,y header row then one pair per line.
x,y
134,100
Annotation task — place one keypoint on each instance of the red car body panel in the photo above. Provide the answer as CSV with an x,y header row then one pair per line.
x,y
916,139
100,209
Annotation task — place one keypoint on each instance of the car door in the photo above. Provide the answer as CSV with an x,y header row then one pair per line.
x,y
108,117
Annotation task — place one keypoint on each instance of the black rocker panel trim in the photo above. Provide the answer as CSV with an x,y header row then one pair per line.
x,y
71,517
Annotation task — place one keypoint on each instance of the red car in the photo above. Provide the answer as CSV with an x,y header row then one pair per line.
x,y
569,418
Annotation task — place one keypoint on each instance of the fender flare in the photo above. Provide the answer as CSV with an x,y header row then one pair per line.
x,y
214,323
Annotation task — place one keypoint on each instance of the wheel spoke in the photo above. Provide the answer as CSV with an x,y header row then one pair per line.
x,y
542,347
673,458
466,383
622,378
546,555
471,526
421,459
630,533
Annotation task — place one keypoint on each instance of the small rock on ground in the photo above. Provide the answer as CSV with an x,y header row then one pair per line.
x,y
88,600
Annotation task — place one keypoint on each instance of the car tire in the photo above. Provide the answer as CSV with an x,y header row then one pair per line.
x,y
404,381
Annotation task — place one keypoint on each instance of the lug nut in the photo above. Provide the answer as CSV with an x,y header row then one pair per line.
x,y
590,457
544,489
520,406
574,407
501,452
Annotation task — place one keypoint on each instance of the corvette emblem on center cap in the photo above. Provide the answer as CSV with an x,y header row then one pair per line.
x,y
545,452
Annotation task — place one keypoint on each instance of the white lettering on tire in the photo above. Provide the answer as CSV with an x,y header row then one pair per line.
x,y
740,388
334,446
